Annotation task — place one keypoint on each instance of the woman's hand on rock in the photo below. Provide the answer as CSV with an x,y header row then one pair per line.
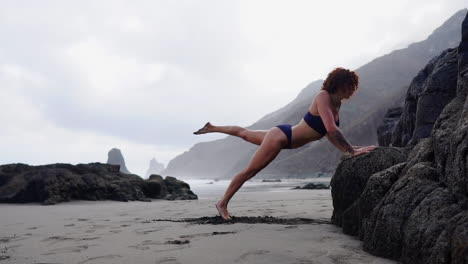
x,y
363,150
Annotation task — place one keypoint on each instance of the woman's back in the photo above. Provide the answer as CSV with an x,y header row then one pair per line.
x,y
305,132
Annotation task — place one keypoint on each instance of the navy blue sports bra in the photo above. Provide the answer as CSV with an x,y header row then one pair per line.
x,y
316,123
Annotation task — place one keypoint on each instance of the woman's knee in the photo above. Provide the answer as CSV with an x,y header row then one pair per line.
x,y
243,133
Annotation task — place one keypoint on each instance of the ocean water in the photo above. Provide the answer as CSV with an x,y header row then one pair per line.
x,y
206,189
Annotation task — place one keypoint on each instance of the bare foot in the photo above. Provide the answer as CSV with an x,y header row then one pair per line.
x,y
223,212
204,129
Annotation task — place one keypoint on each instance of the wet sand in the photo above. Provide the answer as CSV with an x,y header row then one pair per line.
x,y
289,226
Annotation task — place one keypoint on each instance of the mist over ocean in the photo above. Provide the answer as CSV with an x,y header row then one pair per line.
x,y
208,189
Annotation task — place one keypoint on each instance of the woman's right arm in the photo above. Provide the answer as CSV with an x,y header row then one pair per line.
x,y
334,134
337,139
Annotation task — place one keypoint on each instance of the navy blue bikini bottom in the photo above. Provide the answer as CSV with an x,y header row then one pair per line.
x,y
287,131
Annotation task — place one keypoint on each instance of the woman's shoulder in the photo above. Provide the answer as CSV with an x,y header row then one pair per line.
x,y
322,94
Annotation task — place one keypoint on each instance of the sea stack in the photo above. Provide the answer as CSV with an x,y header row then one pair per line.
x,y
115,157
154,168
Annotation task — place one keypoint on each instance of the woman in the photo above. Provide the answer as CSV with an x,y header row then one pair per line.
x,y
321,120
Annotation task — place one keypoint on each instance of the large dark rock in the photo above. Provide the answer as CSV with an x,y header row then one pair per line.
x,y
115,157
429,92
55,183
376,188
416,211
177,190
351,177
385,130
387,220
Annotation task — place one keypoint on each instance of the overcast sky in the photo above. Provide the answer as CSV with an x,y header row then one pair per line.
x,y
78,78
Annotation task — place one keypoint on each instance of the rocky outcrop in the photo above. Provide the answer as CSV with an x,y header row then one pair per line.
x,y
390,120
55,183
415,209
115,157
429,92
154,168
351,177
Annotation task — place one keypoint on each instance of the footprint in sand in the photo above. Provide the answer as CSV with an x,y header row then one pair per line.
x,y
340,258
57,239
179,244
140,247
167,260
99,226
324,239
317,253
244,256
173,249
207,234
14,224
72,249
12,239
91,260
306,261
147,231
145,245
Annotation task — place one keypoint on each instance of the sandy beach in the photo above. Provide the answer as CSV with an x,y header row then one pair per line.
x,y
118,232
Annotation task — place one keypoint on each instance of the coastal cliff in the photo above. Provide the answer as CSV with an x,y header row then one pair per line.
x,y
410,203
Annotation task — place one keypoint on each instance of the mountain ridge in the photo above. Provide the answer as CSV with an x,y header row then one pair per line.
x,y
383,82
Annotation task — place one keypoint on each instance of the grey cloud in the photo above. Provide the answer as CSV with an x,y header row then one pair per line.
x,y
187,36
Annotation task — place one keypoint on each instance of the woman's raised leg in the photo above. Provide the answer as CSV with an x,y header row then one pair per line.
x,y
252,136
268,150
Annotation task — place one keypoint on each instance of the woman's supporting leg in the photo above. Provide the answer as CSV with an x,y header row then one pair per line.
x,y
252,136
268,150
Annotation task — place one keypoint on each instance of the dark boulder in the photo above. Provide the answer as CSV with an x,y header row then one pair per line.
x,y
155,177
385,130
429,92
352,174
178,190
387,220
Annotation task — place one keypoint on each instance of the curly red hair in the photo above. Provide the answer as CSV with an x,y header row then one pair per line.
x,y
341,78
